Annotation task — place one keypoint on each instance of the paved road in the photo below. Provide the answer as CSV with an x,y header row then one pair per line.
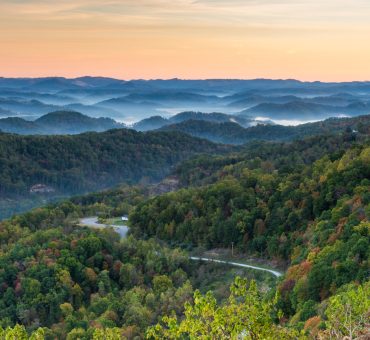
x,y
92,222
236,264
123,229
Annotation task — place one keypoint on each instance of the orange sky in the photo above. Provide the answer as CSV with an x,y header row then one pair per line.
x,y
303,39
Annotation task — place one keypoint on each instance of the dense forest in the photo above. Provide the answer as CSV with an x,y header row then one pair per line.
x,y
58,122
304,204
69,165
79,283
313,216
233,132
73,281
40,169
92,161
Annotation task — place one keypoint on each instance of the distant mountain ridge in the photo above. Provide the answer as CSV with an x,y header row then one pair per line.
x,y
58,122
91,161
72,122
216,127
157,122
232,133
278,100
305,110
91,81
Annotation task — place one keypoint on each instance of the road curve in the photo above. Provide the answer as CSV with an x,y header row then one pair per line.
x,y
236,264
92,222
122,230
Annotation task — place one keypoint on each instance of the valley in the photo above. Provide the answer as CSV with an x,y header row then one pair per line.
x,y
122,230
131,101
302,203
226,214
185,170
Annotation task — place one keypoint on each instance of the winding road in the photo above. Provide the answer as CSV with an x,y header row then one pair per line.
x,y
122,230
92,222
237,264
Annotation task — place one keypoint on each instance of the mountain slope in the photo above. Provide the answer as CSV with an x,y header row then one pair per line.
x,y
138,99
307,209
303,110
303,204
91,161
156,122
70,122
151,123
232,133
228,133
58,122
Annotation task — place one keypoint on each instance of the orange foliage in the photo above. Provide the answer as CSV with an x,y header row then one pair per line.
x,y
287,286
356,203
312,325
130,332
73,244
333,237
90,275
299,270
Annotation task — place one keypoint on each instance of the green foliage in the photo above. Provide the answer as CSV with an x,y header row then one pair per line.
x,y
305,204
108,334
74,280
70,165
245,314
230,132
19,333
312,216
348,312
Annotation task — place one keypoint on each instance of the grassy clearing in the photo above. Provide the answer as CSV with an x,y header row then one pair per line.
x,y
115,221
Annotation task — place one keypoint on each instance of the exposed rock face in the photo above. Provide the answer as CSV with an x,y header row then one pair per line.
x,y
168,184
41,189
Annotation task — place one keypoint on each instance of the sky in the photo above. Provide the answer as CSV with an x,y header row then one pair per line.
x,y
326,40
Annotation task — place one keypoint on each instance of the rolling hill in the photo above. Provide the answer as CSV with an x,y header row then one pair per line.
x,y
130,101
58,122
232,133
303,110
73,164
156,122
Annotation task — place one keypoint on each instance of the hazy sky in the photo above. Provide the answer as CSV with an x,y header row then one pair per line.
x,y
304,39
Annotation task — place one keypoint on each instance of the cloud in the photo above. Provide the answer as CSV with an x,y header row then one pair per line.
x,y
225,13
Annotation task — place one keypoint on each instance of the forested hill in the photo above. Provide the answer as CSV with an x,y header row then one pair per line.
x,y
306,204
58,122
233,133
91,161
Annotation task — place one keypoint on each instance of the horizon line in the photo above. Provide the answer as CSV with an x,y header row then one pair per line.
x,y
185,79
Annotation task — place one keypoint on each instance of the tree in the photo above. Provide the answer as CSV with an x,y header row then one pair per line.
x,y
108,334
18,332
348,312
161,283
245,314
66,308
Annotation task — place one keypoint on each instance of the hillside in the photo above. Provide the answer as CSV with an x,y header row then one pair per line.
x,y
157,122
288,110
214,117
69,122
228,133
151,123
232,133
305,110
91,161
131,101
58,122
308,209
303,204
